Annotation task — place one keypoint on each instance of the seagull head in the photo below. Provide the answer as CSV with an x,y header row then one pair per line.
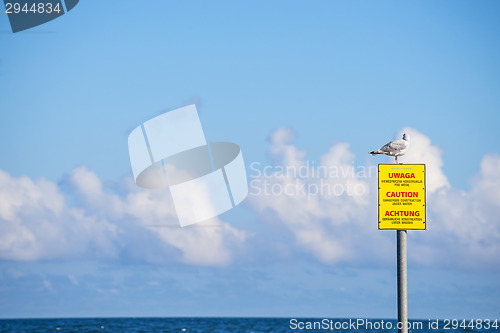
x,y
406,137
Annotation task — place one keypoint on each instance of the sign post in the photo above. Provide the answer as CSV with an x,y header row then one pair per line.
x,y
402,282
401,202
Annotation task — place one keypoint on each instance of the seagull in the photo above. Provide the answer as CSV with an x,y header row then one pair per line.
x,y
395,148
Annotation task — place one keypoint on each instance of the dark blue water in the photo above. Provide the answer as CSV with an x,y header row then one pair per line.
x,y
230,325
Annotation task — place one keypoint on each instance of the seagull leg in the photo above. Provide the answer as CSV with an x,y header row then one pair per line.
x,y
396,159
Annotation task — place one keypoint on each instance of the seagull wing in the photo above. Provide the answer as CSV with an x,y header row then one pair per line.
x,y
394,147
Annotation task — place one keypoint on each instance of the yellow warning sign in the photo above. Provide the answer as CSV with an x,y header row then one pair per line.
x,y
401,196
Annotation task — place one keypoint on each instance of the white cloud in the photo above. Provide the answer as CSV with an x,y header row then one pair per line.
x,y
208,243
423,151
37,223
324,205
340,226
326,210
486,185
87,186
464,228
282,150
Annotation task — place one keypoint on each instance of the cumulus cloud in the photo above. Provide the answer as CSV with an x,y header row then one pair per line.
x,y
464,225
282,150
325,205
38,223
423,151
325,210
332,214
208,243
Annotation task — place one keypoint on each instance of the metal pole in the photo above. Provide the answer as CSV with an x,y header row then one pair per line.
x,y
402,282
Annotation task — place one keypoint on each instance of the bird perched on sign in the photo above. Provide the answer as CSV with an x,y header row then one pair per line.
x,y
395,148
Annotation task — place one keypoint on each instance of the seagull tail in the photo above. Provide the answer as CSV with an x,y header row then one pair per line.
x,y
375,152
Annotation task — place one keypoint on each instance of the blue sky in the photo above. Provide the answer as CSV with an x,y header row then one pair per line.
x,y
290,82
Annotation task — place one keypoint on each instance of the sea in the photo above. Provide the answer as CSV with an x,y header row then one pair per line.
x,y
243,325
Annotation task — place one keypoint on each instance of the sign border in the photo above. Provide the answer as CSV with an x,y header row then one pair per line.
x,y
378,195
